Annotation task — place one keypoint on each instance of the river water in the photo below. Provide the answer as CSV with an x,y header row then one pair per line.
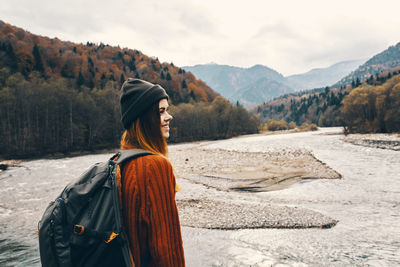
x,y
366,202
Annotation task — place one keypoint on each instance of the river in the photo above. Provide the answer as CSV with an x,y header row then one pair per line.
x,y
366,202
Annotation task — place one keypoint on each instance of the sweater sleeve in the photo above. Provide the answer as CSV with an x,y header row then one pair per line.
x,y
155,215
164,234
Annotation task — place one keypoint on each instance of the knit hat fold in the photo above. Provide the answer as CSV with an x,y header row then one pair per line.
x,y
136,97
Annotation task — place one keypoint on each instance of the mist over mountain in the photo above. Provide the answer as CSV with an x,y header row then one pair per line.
x,y
322,77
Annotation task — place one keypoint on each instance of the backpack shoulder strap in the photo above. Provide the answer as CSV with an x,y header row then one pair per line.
x,y
119,158
124,155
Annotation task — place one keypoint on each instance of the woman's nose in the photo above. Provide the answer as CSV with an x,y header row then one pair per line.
x,y
168,117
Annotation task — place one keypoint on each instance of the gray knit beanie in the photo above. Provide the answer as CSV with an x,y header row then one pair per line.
x,y
136,97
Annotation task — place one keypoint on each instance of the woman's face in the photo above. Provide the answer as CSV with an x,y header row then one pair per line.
x,y
165,118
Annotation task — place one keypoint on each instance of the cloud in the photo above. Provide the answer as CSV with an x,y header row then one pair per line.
x,y
296,48
53,17
289,36
280,30
277,45
197,20
348,38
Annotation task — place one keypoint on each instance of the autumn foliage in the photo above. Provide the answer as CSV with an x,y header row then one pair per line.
x,y
200,121
324,106
60,97
94,65
371,108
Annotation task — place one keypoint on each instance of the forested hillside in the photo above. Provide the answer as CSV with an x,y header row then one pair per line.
x,y
219,120
58,96
387,59
93,65
324,107
371,108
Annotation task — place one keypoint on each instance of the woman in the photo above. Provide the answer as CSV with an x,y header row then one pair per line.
x,y
148,183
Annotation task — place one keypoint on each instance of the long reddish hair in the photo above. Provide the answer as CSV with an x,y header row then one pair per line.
x,y
145,133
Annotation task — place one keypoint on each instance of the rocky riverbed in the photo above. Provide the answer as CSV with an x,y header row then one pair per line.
x,y
226,224
224,215
384,141
220,186
226,183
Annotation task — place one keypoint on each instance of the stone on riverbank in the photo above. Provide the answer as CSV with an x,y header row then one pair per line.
x,y
5,164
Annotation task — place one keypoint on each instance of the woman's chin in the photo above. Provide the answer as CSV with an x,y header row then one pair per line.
x,y
165,135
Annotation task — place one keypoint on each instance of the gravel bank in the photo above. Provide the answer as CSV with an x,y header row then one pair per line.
x,y
384,141
212,214
220,186
248,171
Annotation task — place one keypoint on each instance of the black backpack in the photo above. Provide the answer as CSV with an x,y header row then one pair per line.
x,y
83,226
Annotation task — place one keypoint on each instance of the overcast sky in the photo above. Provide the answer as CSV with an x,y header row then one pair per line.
x,y
290,36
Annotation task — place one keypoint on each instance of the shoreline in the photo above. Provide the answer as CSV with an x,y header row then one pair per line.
x,y
389,140
7,162
59,155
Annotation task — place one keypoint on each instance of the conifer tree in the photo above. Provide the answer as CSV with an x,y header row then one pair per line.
x,y
13,60
81,80
131,64
184,85
38,60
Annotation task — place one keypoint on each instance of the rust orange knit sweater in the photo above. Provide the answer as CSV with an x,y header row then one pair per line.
x,y
150,212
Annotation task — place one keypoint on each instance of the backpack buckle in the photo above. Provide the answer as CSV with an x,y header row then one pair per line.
x,y
79,229
111,237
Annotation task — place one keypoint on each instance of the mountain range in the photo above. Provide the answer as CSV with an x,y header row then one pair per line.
x,y
99,66
373,88
322,77
259,84
246,85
